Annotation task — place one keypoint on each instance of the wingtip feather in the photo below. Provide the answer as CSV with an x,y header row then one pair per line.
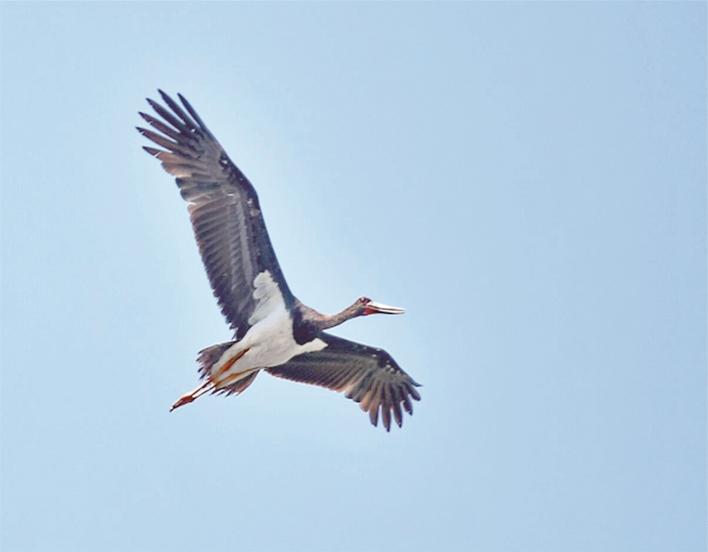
x,y
386,417
374,416
153,151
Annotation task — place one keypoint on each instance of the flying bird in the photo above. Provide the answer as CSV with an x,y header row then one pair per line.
x,y
273,330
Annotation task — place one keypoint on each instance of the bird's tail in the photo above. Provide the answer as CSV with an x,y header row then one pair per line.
x,y
210,356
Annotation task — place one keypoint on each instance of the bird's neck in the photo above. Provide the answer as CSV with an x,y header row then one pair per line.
x,y
337,319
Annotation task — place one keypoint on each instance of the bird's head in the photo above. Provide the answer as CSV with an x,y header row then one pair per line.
x,y
366,306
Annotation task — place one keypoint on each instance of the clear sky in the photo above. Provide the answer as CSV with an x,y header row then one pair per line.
x,y
527,179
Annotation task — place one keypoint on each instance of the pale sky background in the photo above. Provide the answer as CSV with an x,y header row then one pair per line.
x,y
527,179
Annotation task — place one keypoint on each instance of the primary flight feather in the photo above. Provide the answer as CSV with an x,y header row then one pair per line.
x,y
273,330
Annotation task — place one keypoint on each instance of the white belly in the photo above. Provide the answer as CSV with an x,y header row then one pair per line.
x,y
269,342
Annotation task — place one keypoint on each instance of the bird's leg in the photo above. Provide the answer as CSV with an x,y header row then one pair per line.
x,y
211,384
228,364
193,394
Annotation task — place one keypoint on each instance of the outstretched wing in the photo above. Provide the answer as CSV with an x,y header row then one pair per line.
x,y
223,206
365,374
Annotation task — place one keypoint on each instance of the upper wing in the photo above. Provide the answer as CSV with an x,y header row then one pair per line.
x,y
223,206
367,375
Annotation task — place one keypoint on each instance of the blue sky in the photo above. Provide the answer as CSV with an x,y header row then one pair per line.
x,y
527,179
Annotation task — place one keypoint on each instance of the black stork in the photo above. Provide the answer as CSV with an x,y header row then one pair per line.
x,y
273,330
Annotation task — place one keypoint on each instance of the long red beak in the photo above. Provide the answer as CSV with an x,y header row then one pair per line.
x,y
380,308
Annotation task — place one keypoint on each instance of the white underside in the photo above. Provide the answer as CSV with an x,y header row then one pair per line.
x,y
269,342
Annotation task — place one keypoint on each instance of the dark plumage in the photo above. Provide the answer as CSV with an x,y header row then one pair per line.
x,y
273,330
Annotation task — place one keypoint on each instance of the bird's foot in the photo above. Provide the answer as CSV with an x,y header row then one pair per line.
x,y
192,395
184,399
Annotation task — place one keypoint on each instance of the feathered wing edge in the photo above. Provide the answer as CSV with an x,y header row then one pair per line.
x,y
223,206
367,375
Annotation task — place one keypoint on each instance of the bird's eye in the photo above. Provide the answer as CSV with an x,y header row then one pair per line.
x,y
364,300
